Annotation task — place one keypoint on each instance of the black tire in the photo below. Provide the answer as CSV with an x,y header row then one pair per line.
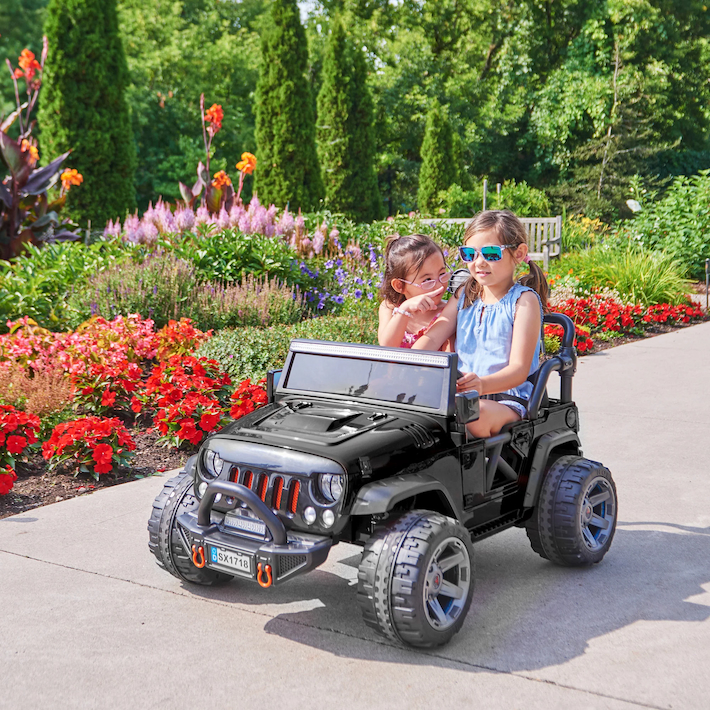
x,y
165,539
402,590
575,519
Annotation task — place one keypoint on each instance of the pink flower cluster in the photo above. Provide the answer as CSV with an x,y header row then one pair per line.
x,y
161,219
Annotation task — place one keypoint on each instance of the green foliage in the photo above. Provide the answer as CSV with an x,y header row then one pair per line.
x,y
175,52
580,232
227,255
638,275
520,198
287,172
678,223
250,352
439,168
164,287
344,131
36,284
83,107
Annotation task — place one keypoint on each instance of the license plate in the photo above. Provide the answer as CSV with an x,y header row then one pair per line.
x,y
237,561
246,524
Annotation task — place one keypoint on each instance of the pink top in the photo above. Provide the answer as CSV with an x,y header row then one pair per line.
x,y
411,338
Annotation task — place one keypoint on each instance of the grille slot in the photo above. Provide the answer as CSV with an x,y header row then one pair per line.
x,y
278,488
294,490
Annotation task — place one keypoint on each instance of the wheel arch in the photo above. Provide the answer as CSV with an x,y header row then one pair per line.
x,y
382,496
559,441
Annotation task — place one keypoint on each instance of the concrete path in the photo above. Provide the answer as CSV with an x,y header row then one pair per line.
x,y
89,621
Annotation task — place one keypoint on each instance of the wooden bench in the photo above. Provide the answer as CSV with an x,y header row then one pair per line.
x,y
544,236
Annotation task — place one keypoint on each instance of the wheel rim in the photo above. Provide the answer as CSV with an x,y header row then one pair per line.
x,y
447,583
598,513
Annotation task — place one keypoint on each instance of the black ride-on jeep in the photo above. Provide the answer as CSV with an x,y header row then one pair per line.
x,y
369,445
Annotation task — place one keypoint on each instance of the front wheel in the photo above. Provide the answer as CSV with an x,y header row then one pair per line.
x,y
168,542
415,580
575,519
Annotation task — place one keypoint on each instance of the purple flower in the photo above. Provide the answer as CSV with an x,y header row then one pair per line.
x,y
223,221
357,293
369,295
155,290
338,299
286,224
329,264
203,215
184,219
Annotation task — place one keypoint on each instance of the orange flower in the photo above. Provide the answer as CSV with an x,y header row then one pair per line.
x,y
214,115
220,180
71,177
18,74
27,146
247,163
28,62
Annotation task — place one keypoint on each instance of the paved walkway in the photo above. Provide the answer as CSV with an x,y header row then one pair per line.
x,y
89,621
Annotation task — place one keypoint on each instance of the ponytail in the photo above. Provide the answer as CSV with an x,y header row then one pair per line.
x,y
536,280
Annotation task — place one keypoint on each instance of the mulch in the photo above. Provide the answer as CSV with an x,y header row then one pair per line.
x,y
36,486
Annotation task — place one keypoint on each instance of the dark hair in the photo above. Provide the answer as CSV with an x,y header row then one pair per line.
x,y
511,232
402,254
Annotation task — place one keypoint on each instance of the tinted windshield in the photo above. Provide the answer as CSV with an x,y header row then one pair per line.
x,y
387,381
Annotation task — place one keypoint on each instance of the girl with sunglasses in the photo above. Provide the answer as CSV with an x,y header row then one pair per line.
x,y
415,279
497,320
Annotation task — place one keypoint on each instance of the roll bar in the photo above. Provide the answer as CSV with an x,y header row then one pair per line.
x,y
565,362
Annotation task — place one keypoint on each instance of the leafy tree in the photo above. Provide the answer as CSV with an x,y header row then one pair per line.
x,y
198,46
344,131
440,168
83,108
287,172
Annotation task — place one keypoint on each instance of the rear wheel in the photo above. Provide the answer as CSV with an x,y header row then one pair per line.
x,y
575,519
415,580
168,542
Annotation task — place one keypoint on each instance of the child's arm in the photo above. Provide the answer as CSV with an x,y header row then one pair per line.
x,y
392,326
444,327
526,329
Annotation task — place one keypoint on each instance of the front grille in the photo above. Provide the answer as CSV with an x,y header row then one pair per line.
x,y
280,492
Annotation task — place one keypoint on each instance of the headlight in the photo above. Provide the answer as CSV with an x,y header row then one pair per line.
x,y
331,486
213,463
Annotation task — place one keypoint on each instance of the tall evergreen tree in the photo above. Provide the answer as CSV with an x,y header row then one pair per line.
x,y
83,109
440,159
346,145
288,170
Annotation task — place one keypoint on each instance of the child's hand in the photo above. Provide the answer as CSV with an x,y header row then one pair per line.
x,y
425,302
469,381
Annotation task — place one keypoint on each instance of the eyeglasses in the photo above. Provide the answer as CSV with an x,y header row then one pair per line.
x,y
429,284
490,252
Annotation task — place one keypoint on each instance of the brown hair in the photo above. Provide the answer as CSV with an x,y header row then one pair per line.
x,y
402,254
511,232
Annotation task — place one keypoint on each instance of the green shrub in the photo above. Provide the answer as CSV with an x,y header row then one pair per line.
x,y
37,283
165,287
638,275
250,352
520,198
679,223
580,232
227,255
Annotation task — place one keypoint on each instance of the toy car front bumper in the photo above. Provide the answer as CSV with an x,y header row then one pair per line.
x,y
268,561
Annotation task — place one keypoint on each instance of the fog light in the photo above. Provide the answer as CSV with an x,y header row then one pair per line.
x,y
218,498
309,515
328,518
202,488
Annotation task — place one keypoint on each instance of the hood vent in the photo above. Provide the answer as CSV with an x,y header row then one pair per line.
x,y
420,435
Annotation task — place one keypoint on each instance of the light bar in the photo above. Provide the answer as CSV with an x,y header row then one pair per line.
x,y
370,353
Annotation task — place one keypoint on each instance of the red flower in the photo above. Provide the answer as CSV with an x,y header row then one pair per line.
x,y
15,444
136,405
108,398
7,480
209,420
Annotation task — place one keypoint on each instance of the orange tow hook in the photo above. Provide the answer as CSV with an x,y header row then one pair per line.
x,y
269,578
198,556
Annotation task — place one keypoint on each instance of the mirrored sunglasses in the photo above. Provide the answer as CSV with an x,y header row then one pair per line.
x,y
429,284
490,252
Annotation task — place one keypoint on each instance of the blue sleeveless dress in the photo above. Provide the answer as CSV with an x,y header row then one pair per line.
x,y
484,336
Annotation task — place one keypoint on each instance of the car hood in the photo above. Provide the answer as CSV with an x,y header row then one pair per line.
x,y
339,431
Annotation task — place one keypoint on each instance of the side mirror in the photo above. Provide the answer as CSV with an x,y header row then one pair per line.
x,y
272,382
467,407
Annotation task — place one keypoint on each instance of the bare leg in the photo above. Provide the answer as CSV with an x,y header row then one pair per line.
x,y
494,416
